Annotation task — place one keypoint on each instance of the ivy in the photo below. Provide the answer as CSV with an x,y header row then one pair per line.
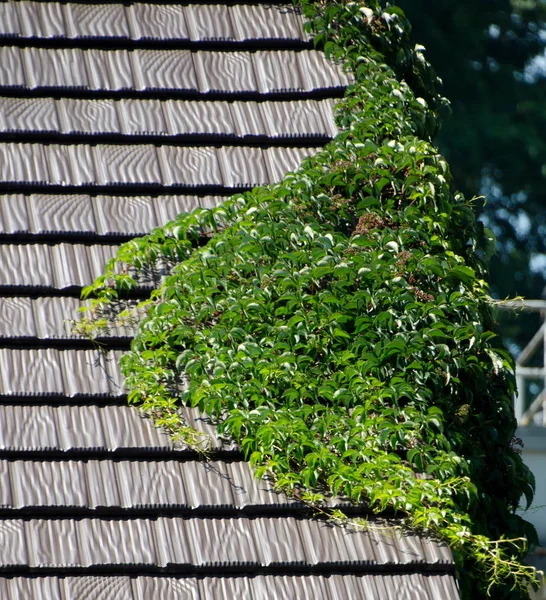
x,y
338,325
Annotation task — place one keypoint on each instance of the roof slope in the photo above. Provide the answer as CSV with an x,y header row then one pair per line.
x,y
114,117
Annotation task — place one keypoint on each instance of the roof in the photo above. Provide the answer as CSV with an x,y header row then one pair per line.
x,y
114,117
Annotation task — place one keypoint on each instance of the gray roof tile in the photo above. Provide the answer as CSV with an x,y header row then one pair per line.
x,y
156,21
141,117
242,167
16,318
23,163
97,588
50,372
96,20
54,68
25,265
225,72
122,215
8,18
59,214
109,70
25,115
164,70
12,543
163,588
279,72
11,68
85,116
118,165
41,19
267,21
51,543
209,22
13,214
185,118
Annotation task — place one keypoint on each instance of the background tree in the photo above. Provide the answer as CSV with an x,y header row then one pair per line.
x,y
495,140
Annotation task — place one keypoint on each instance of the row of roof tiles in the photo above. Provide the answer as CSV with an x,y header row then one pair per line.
x,y
144,21
167,118
46,318
48,430
83,215
198,542
135,484
256,73
331,587
108,165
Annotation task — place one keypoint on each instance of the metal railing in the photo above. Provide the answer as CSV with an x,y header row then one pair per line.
x,y
524,373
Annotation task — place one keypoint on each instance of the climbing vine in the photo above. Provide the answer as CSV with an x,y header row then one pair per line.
x,y
338,325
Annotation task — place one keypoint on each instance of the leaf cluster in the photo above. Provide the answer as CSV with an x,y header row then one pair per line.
x,y
337,324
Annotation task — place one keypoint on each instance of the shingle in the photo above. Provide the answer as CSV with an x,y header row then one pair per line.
x,y
124,215
46,588
209,22
267,22
97,588
13,214
191,166
280,161
88,116
283,546
70,266
21,163
117,165
322,74
31,373
70,165
164,70
41,19
302,119
48,484
225,72
248,118
50,372
208,494
6,498
9,21
16,318
169,207
52,543
28,115
28,427
54,68
278,72
76,428
84,374
108,70
156,21
124,427
166,588
12,543
102,484
242,167
104,542
153,484
195,118
141,117
96,20
25,265
223,541
229,587
11,67
60,214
